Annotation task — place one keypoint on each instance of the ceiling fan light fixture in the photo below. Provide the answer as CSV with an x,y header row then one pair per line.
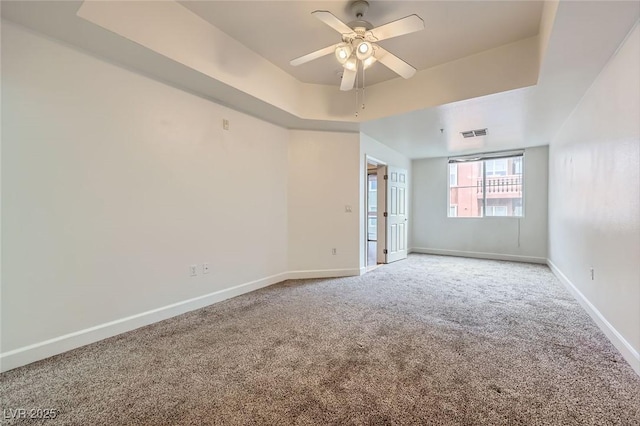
x,y
364,50
351,64
358,48
343,52
369,61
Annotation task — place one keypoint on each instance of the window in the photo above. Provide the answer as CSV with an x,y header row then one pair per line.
x,y
486,185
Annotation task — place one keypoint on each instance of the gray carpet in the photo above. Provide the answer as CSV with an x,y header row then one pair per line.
x,y
430,340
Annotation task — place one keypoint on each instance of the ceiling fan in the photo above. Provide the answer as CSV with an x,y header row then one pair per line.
x,y
358,48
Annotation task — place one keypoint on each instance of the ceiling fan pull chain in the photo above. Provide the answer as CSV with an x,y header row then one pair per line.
x,y
356,89
363,85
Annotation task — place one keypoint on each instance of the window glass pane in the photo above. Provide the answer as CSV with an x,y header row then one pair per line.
x,y
373,193
496,210
504,195
453,174
465,198
517,166
500,189
496,167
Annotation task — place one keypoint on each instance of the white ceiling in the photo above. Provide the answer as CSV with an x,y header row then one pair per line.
x,y
283,30
584,35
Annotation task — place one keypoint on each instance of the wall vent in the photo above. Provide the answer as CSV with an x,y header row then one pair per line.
x,y
474,133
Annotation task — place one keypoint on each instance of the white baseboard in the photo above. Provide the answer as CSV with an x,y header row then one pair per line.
x,y
479,255
57,345
324,273
625,348
38,351
41,350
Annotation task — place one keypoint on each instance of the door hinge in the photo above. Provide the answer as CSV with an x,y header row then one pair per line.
x,y
385,251
386,177
385,214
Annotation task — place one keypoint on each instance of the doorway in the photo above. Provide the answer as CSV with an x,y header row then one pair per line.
x,y
372,215
375,197
386,222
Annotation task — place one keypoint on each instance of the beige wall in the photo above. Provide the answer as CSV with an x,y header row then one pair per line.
x,y
113,184
323,181
594,199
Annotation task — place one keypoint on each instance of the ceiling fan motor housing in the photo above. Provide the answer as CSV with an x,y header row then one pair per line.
x,y
359,8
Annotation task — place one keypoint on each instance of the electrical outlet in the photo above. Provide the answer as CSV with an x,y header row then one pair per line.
x,y
592,274
334,251
193,270
205,268
347,209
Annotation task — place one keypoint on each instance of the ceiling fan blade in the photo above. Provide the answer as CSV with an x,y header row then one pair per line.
x,y
348,79
394,63
330,19
313,55
406,25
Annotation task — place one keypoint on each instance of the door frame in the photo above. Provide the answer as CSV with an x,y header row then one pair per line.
x,y
382,201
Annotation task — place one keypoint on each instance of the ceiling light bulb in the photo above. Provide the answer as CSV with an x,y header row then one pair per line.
x,y
351,64
364,50
343,51
368,62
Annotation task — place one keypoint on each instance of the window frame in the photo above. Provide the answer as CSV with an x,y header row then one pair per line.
x,y
483,158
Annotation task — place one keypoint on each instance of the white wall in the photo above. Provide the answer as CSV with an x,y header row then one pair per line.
x,y
370,147
112,184
492,237
323,180
594,199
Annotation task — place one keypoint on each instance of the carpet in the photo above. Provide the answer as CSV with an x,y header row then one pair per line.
x,y
429,340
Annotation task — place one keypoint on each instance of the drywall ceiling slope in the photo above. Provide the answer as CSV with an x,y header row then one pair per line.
x,y
58,20
495,88
583,37
184,55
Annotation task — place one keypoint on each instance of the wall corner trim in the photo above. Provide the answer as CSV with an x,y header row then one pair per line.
x,y
625,349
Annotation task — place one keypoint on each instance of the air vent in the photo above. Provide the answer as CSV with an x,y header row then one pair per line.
x,y
474,133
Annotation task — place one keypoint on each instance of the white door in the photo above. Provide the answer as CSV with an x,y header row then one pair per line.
x,y
396,223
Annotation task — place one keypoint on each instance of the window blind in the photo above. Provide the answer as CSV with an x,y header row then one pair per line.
x,y
486,156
